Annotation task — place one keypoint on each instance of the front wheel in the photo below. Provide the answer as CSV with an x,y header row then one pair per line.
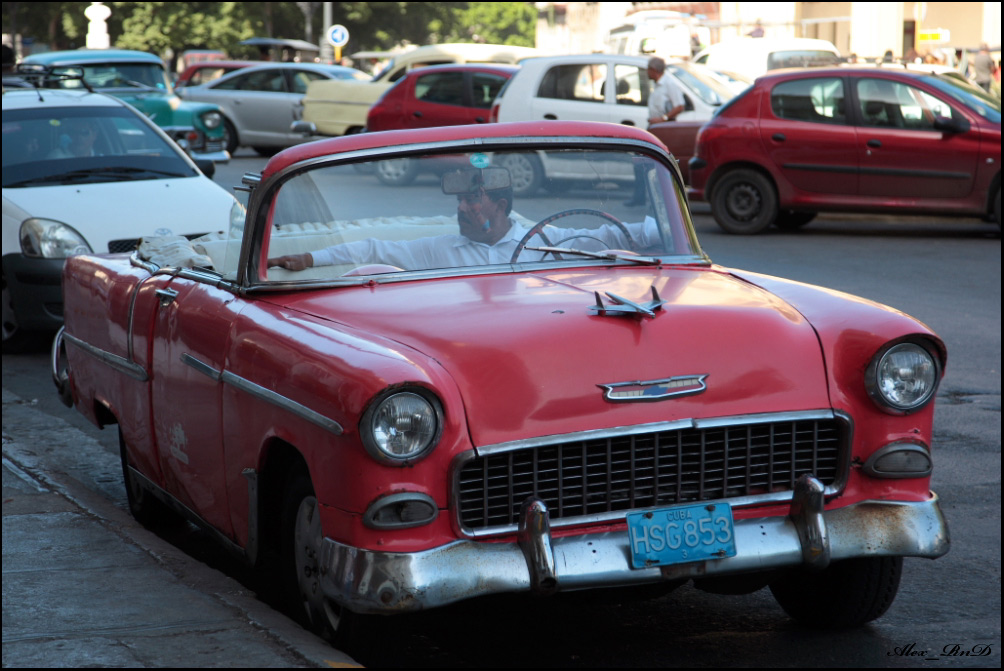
x,y
848,593
744,202
301,562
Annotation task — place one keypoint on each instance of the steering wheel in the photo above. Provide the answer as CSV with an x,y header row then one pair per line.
x,y
538,228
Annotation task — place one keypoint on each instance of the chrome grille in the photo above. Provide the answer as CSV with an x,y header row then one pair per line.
x,y
597,476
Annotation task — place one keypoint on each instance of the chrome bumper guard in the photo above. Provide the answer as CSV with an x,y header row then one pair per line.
x,y
384,582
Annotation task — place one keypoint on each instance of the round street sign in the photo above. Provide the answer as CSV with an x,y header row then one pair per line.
x,y
337,35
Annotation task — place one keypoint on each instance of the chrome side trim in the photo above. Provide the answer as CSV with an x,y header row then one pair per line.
x,y
264,394
368,581
121,364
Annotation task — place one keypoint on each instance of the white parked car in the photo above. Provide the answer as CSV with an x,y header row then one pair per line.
x,y
86,173
602,87
751,57
594,87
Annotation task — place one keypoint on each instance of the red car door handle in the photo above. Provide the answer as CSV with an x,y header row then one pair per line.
x,y
874,143
778,137
479,119
417,115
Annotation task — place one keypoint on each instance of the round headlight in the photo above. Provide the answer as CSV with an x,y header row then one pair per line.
x,y
903,378
50,239
212,120
401,427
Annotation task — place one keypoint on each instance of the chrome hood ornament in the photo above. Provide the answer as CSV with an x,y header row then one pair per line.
x,y
653,390
622,307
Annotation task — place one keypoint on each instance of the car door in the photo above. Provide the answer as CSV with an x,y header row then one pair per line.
x,y
808,139
572,92
902,153
438,99
483,88
629,95
260,103
189,336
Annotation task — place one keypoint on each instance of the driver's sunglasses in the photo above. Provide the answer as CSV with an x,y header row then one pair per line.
x,y
82,131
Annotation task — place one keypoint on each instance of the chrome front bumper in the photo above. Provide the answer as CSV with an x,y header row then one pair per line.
x,y
384,582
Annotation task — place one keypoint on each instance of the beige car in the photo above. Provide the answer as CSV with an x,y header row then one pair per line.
x,y
340,107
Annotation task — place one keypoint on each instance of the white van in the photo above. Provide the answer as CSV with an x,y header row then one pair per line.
x,y
754,56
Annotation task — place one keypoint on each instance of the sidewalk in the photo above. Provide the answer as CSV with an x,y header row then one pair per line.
x,y
85,585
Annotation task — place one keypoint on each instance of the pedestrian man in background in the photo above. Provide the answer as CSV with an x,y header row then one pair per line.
x,y
665,103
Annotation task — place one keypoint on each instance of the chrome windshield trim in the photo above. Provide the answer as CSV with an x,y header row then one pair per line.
x,y
676,425
256,217
263,394
465,271
119,363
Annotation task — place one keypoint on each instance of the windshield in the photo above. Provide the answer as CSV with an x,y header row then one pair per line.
x,y
121,75
45,147
708,87
972,97
472,212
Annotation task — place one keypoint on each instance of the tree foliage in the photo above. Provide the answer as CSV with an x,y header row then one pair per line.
x,y
166,27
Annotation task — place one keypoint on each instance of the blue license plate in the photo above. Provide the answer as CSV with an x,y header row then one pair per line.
x,y
681,534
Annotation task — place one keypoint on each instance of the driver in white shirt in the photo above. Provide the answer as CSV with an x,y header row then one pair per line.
x,y
488,233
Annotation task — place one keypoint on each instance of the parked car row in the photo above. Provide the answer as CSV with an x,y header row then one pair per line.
x,y
260,103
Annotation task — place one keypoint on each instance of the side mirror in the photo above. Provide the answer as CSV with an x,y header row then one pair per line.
x,y
303,127
951,124
688,104
207,167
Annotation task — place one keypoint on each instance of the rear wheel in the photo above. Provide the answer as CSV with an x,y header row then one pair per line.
x,y
144,506
525,171
845,594
743,202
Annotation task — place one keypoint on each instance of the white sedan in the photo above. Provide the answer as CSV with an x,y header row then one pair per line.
x,y
86,173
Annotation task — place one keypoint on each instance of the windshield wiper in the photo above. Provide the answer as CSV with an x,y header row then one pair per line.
x,y
609,256
119,174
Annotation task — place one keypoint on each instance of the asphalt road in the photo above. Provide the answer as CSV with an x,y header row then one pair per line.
x,y
946,273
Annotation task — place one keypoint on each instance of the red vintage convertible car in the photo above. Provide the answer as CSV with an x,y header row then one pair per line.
x,y
396,398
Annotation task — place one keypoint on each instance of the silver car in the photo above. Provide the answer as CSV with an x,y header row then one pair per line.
x,y
259,103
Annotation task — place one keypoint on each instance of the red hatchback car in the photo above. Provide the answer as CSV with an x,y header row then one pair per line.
x,y
439,95
849,140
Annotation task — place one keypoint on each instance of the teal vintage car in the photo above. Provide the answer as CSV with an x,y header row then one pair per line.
x,y
141,80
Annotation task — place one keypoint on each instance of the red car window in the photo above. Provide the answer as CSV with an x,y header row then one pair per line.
x,y
818,100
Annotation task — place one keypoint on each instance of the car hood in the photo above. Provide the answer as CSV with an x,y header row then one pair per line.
x,y
529,356
128,210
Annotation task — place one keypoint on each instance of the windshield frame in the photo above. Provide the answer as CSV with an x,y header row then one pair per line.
x,y
250,277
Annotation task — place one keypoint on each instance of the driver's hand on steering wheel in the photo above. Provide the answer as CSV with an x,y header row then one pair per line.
x,y
292,261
